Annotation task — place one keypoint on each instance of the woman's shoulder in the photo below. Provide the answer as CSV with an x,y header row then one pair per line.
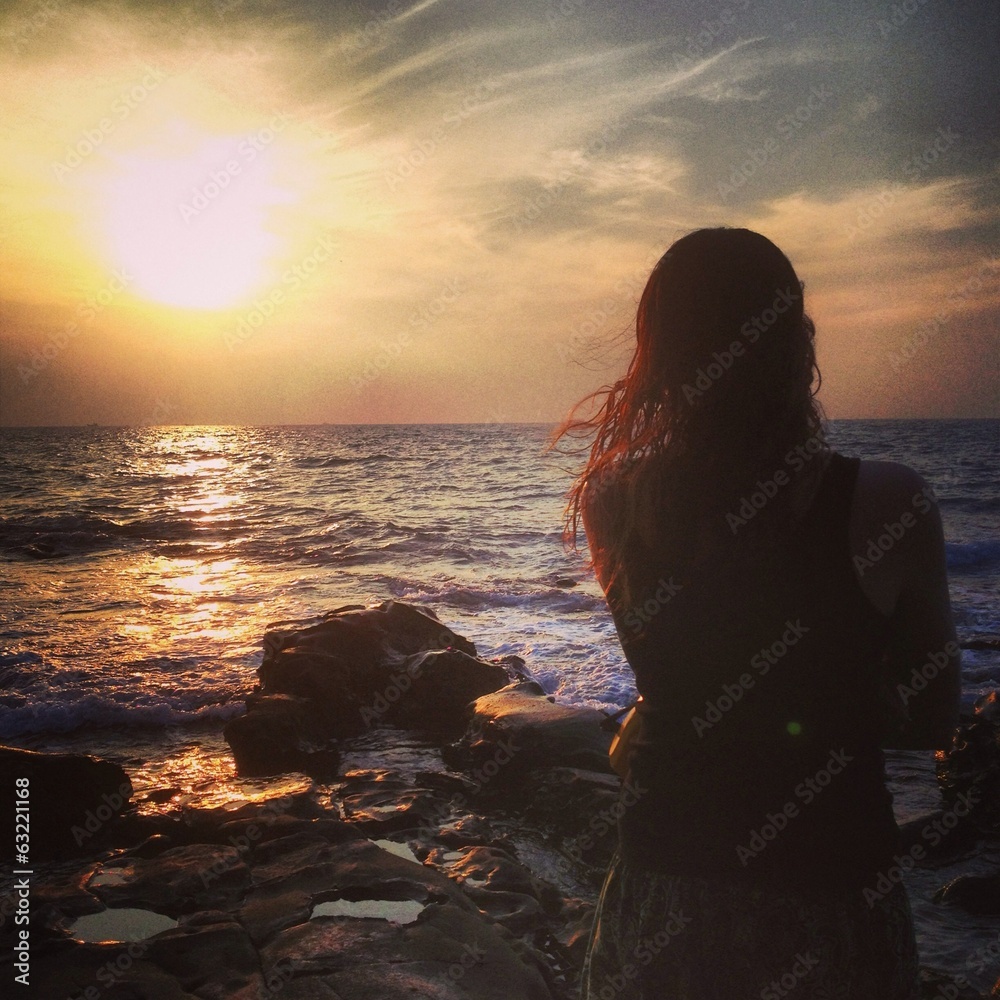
x,y
896,535
885,487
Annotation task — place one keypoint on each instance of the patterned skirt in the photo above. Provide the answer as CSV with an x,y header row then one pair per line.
x,y
667,937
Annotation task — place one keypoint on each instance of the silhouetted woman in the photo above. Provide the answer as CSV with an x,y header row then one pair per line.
x,y
769,647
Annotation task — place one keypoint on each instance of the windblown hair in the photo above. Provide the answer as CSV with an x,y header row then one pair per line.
x,y
718,392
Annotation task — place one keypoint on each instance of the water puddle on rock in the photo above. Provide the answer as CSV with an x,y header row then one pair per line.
x,y
396,911
400,850
119,924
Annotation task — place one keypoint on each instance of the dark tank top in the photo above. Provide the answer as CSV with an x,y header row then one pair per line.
x,y
760,758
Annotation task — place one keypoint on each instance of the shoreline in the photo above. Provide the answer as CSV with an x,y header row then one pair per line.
x,y
452,852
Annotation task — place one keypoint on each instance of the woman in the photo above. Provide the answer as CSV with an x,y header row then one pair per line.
x,y
773,599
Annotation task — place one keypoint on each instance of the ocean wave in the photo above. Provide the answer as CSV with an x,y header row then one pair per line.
x,y
98,712
333,461
551,599
50,537
973,555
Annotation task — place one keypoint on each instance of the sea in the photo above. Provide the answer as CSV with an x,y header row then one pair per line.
x,y
141,566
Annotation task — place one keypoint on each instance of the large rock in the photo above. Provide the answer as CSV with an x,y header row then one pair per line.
x,y
440,685
351,646
979,894
519,729
69,799
969,772
281,733
355,669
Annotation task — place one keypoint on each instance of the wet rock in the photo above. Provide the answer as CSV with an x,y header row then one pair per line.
x,y
979,894
567,798
494,869
271,861
182,879
448,953
988,707
383,810
970,769
282,733
72,799
517,911
208,950
356,669
577,923
66,896
105,972
518,729
389,631
438,688
268,912
465,831
347,662
254,834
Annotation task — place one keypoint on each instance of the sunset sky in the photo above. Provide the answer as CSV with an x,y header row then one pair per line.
x,y
444,210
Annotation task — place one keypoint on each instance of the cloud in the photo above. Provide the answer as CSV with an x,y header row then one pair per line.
x,y
541,156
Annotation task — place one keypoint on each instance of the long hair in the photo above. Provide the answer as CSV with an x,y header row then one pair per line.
x,y
718,391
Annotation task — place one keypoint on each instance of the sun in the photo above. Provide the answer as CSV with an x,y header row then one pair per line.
x,y
193,218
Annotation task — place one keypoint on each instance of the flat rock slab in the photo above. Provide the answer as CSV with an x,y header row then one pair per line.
x,y
448,953
180,880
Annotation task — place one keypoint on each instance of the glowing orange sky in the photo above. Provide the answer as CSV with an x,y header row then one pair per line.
x,y
444,211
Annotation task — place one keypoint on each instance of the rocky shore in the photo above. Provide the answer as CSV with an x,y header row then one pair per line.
x,y
450,843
